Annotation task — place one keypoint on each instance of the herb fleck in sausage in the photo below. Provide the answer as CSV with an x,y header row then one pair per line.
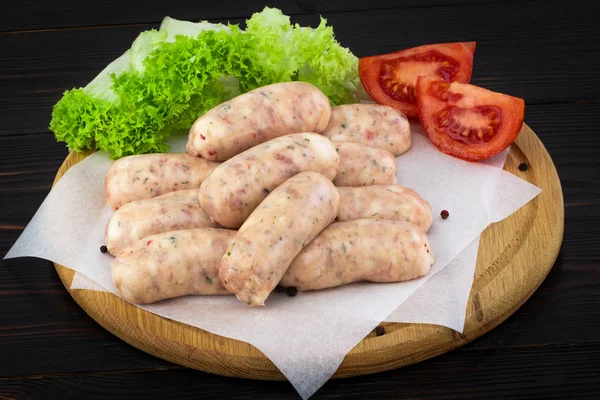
x,y
169,212
362,165
361,250
238,185
149,175
258,116
172,264
285,222
391,202
370,124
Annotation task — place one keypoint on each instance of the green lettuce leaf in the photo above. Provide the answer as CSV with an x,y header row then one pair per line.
x,y
325,64
172,76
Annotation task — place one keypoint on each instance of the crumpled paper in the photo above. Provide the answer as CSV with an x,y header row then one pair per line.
x,y
306,336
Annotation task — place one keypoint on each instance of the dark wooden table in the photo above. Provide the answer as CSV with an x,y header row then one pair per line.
x,y
547,52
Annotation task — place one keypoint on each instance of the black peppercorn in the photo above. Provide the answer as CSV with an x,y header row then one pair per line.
x,y
380,331
444,214
103,249
278,289
523,166
291,291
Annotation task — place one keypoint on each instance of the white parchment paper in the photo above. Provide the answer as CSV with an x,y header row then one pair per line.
x,y
306,336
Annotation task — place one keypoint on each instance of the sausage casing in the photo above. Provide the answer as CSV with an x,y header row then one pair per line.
x,y
172,264
149,175
238,185
169,212
370,124
362,165
361,250
390,202
258,116
286,221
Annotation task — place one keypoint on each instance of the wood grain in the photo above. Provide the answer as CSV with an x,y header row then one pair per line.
x,y
37,67
508,272
71,341
39,14
546,51
536,372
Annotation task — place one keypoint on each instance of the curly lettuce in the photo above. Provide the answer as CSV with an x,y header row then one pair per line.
x,y
172,76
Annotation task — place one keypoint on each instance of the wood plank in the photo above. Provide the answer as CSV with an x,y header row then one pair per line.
x,y
567,131
45,68
21,195
508,55
30,154
569,294
583,236
69,332
555,372
39,14
35,305
28,108
511,57
28,164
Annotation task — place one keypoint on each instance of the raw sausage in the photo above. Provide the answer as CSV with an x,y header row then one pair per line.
x,y
238,185
370,124
149,175
286,221
186,262
362,165
257,116
169,212
361,250
171,264
393,202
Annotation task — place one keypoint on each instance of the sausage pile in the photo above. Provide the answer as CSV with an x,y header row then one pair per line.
x,y
277,188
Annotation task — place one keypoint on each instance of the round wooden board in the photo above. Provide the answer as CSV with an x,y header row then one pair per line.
x,y
515,255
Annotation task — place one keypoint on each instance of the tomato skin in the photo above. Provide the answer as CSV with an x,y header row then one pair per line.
x,y
437,99
470,46
459,54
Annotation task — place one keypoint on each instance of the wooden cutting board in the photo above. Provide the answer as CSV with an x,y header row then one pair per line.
x,y
515,255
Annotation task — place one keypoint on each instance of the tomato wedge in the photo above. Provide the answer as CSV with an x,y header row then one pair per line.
x,y
391,79
467,121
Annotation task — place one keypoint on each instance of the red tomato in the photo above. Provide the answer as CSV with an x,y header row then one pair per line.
x,y
391,79
467,121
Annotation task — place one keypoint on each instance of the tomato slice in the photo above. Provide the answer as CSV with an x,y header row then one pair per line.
x,y
391,79
467,121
